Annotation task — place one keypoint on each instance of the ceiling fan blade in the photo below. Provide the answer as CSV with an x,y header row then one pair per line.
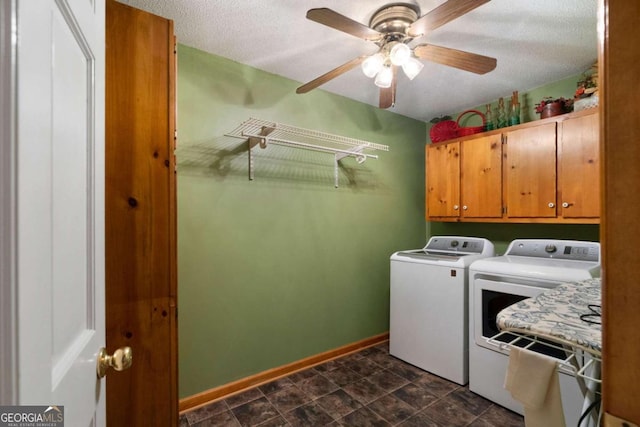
x,y
340,22
467,61
442,14
330,75
388,95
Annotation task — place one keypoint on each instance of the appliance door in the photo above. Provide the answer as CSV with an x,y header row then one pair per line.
x,y
489,297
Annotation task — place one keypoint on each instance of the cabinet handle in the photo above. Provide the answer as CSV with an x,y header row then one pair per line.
x,y
566,205
552,205
465,208
455,207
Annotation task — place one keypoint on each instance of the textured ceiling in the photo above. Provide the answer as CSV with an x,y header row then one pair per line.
x,y
535,42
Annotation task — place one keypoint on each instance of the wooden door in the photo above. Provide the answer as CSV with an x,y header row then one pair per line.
x,y
56,170
619,69
579,167
481,177
443,180
141,215
530,172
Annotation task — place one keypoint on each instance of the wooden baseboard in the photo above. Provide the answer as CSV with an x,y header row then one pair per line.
x,y
264,377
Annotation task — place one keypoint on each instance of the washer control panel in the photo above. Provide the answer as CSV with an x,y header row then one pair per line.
x,y
465,245
560,249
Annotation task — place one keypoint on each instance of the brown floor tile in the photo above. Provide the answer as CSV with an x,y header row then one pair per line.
x,y
387,380
244,397
302,375
278,421
308,415
369,351
420,420
383,359
479,422
276,385
205,412
317,386
384,347
448,414
328,366
469,400
255,412
501,417
343,376
288,398
406,370
415,396
223,419
364,367
392,409
338,404
436,385
364,391
363,417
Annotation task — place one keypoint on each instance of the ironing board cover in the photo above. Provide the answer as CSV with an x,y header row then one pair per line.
x,y
555,315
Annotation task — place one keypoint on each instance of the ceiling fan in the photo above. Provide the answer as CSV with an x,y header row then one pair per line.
x,y
392,27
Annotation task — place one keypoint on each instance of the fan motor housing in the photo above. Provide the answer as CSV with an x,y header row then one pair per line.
x,y
394,20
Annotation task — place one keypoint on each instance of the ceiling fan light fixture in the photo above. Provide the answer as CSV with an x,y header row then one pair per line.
x,y
399,54
372,65
384,77
412,67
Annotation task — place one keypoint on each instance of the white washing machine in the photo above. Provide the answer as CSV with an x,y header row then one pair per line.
x,y
429,305
529,267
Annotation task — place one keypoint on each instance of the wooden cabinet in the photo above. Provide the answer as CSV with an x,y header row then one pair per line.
x,y
579,167
464,179
530,172
543,171
140,223
443,180
481,177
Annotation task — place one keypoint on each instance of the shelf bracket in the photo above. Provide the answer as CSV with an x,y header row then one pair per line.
x,y
339,156
261,141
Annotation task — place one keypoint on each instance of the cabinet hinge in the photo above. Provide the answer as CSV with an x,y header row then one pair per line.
x,y
504,210
503,138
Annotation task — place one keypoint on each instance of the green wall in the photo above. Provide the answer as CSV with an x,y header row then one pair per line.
x,y
502,234
285,266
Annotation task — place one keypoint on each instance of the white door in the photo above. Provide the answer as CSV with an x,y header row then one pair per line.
x,y
60,206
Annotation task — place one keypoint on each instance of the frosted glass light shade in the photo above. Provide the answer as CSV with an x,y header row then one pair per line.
x,y
399,54
372,65
412,67
384,77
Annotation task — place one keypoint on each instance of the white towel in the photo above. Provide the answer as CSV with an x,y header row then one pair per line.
x,y
532,379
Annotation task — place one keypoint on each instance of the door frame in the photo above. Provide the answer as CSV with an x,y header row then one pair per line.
x,y
8,285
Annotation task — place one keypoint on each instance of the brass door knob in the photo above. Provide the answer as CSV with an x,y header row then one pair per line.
x,y
121,359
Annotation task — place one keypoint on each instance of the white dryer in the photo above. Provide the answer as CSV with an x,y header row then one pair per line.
x,y
429,305
529,267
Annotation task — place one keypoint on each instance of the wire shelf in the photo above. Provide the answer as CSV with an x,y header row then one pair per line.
x,y
262,132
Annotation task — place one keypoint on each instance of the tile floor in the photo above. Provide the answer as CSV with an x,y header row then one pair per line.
x,y
368,388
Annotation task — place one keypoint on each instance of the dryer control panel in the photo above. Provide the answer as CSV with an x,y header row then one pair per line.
x,y
559,249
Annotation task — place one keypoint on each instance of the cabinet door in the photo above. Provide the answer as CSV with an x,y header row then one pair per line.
x,y
530,172
141,281
481,177
443,180
579,167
